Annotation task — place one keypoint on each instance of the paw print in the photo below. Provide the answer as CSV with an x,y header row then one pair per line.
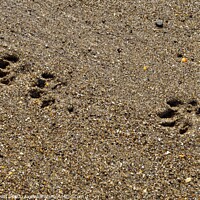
x,y
180,115
39,89
7,68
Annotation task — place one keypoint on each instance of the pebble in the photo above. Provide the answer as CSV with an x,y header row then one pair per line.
x,y
146,79
184,60
159,23
145,68
187,180
70,108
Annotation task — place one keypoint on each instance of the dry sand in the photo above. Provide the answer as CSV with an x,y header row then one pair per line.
x,y
95,102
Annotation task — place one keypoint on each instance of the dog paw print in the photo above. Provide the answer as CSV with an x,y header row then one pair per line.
x,y
7,71
40,90
180,115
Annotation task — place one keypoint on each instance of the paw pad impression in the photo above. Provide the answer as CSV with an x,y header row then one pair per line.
x,y
179,114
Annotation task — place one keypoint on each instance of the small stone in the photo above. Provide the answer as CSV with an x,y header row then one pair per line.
x,y
145,68
159,23
119,50
184,60
187,180
167,152
70,108
146,79
145,191
182,155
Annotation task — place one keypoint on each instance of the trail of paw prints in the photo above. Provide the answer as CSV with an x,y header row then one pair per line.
x,y
180,115
7,72
40,91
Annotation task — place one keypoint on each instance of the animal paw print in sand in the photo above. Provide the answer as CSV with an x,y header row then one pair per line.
x,y
40,90
180,115
7,68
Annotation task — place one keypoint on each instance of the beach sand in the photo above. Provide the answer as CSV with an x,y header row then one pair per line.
x,y
99,99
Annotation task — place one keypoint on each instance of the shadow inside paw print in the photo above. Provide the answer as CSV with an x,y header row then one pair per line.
x,y
35,93
179,114
6,73
11,58
47,102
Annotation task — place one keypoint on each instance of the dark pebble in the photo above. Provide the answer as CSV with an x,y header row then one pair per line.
x,y
70,108
159,23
